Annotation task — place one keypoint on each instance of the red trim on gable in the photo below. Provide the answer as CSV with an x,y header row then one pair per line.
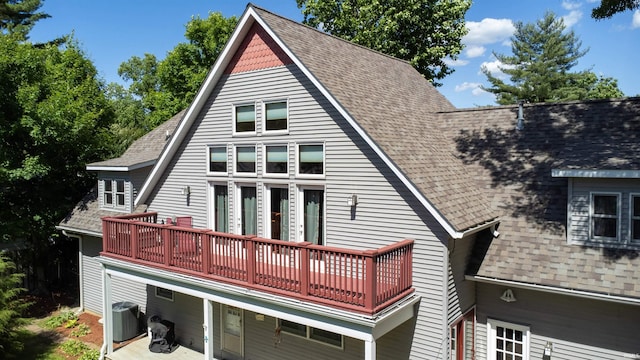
x,y
257,51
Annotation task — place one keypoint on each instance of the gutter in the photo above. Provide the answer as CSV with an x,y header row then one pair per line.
x,y
556,290
66,229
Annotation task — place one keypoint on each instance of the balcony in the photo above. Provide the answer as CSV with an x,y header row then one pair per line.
x,y
361,281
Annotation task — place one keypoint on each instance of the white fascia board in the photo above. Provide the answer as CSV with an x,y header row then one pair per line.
x,y
67,229
120,168
414,190
555,290
596,174
194,109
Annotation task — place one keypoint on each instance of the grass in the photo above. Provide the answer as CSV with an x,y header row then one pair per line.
x,y
41,346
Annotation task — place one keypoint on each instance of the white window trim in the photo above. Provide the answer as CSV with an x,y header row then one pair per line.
x,y
211,201
308,335
264,117
208,157
161,296
237,208
491,337
324,161
264,162
299,234
631,218
602,239
235,160
114,191
266,218
233,117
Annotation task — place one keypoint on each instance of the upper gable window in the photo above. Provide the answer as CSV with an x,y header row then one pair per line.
x,y
246,159
635,217
605,216
113,193
276,116
277,159
218,159
245,119
311,159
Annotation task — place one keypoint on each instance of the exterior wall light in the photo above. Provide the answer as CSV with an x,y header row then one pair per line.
x,y
352,200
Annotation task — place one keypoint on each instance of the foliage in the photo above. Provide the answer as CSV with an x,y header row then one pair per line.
x,y
54,119
59,319
74,347
81,330
423,32
91,354
12,306
167,86
539,69
19,16
608,8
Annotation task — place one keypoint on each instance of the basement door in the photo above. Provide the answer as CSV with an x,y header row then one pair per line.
x,y
232,331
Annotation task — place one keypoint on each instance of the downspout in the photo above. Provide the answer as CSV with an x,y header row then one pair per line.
x,y
80,265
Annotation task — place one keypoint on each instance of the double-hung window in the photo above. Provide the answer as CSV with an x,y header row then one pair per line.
x,y
246,159
605,216
113,193
507,341
308,332
635,217
311,159
244,117
276,116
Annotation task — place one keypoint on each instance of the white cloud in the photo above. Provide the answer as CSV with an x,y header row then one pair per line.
x,y
572,18
635,23
457,62
568,5
473,51
494,68
476,88
488,31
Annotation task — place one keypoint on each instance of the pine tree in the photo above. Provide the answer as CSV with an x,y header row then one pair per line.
x,y
12,307
19,16
539,69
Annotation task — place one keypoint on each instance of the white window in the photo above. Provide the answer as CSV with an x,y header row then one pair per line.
x,y
276,160
248,216
113,193
244,119
605,216
276,116
635,217
220,207
462,339
311,159
308,332
507,341
311,216
164,293
217,159
246,159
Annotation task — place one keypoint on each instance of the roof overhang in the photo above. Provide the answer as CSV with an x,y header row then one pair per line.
x,y
596,174
75,232
120,168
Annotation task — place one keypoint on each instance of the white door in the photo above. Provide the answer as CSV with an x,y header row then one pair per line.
x,y
232,331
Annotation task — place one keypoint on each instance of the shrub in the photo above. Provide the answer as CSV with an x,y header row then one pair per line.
x,y
12,307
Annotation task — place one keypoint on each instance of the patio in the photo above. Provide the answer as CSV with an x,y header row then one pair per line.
x,y
139,349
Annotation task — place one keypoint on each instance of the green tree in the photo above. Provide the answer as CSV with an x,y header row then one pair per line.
x,y
167,86
54,119
608,8
12,307
129,120
422,32
539,69
19,16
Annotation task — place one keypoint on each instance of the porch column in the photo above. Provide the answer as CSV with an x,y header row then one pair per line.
x,y
208,328
107,312
370,349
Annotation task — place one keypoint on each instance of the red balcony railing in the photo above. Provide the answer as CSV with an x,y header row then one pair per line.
x,y
362,281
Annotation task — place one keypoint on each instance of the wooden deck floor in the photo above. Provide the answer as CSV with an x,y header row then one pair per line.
x,y
139,350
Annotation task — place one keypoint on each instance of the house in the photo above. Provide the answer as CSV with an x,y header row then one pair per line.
x,y
321,198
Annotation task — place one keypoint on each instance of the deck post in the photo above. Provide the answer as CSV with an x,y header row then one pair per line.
x,y
206,239
107,315
370,288
304,268
251,259
208,328
166,236
133,230
370,349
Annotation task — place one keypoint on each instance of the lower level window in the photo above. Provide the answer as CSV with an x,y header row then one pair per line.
x,y
604,216
308,332
507,341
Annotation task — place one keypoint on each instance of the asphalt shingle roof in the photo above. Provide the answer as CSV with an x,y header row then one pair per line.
x,y
514,169
394,105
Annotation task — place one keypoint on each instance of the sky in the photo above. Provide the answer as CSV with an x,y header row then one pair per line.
x,y
112,31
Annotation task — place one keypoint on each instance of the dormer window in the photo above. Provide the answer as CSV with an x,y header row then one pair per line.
x,y
113,193
276,116
605,216
635,217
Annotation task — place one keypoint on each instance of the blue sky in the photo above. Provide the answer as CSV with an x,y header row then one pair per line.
x,y
112,31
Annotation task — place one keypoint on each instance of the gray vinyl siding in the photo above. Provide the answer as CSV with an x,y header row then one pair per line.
x,y
461,291
386,212
138,178
122,290
128,190
185,311
578,328
580,202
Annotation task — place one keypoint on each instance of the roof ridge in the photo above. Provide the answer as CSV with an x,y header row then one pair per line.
x,y
329,35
